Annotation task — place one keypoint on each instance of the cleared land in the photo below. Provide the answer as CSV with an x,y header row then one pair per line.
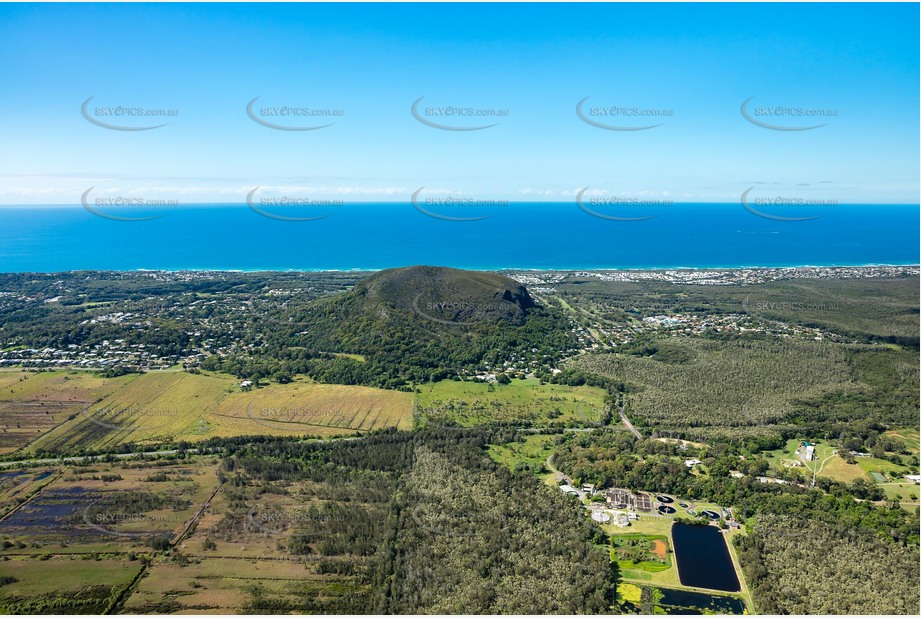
x,y
83,534
532,452
521,402
34,403
64,584
163,407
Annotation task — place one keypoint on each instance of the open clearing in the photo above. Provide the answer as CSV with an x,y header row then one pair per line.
x,y
840,470
64,585
520,402
83,411
532,452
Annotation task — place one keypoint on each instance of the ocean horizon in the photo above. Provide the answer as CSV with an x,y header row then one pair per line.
x,y
371,236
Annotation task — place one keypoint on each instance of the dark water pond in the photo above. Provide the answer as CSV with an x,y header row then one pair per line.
x,y
685,602
703,558
55,512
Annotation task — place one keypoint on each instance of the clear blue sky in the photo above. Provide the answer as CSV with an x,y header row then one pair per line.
x,y
536,61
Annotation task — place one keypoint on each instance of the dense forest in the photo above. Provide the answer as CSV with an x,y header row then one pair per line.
x,y
719,387
427,524
827,569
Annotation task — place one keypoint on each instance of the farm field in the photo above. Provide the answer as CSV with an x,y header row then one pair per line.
x,y
85,534
153,407
64,584
114,509
58,386
520,402
163,407
309,408
22,422
34,403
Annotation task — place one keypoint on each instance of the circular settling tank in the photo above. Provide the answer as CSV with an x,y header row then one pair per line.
x,y
665,499
666,510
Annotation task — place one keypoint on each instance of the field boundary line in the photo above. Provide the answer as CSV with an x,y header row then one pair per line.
x,y
197,516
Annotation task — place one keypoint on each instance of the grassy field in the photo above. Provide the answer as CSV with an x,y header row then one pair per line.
x,y
63,585
523,401
216,586
871,464
532,452
161,407
908,436
34,403
840,470
320,409
629,592
153,407
22,422
58,386
906,494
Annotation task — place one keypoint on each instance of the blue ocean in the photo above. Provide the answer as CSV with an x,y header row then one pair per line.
x,y
511,236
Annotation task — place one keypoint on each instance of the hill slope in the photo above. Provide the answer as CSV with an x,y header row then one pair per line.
x,y
421,323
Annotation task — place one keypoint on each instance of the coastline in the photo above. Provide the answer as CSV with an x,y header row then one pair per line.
x,y
504,269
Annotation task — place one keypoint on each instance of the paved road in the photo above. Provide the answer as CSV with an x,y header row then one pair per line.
x,y
52,461
6,464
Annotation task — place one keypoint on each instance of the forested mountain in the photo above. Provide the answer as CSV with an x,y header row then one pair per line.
x,y
414,325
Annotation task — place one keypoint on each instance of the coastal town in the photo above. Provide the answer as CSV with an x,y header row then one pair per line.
x,y
130,330
544,280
